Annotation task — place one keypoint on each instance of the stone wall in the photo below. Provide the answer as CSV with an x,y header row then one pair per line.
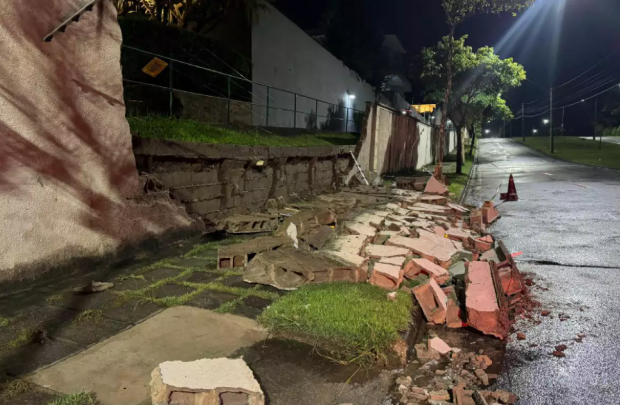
x,y
215,181
69,188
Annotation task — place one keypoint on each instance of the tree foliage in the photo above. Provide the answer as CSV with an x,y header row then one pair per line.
x,y
458,11
480,78
200,15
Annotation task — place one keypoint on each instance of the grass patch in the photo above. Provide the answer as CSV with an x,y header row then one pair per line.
x,y
23,338
54,298
195,131
81,398
229,306
578,150
14,388
355,322
4,322
90,315
132,277
459,181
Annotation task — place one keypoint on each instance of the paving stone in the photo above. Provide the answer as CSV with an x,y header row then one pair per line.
x,y
385,251
432,300
170,290
88,332
427,248
130,284
357,228
237,282
386,276
351,244
198,262
132,312
81,302
252,307
433,186
161,273
211,299
23,360
438,273
203,277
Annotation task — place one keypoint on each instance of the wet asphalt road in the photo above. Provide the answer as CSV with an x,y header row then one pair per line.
x,y
567,223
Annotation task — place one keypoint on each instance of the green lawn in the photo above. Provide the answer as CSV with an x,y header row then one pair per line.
x,y
196,131
459,181
351,322
579,150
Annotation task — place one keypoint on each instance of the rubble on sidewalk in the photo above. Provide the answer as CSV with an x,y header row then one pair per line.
x,y
207,381
239,255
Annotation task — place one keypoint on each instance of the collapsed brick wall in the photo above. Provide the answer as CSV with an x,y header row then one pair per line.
x,y
215,181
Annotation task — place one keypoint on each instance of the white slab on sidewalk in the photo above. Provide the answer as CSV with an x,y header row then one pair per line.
x,y
119,369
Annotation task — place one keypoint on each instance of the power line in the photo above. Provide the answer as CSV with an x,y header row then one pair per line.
x,y
580,75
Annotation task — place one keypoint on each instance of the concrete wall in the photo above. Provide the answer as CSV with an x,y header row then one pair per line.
x,y
68,181
215,181
284,56
399,142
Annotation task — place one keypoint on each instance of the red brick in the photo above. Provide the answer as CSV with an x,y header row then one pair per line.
x,y
386,276
483,312
433,186
432,300
438,273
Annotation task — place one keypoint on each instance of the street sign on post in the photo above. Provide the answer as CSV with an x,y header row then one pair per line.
x,y
154,67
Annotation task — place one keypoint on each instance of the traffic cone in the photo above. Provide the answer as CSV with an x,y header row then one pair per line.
x,y
511,195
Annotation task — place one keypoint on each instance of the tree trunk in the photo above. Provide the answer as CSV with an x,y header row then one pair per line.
x,y
472,135
459,149
444,108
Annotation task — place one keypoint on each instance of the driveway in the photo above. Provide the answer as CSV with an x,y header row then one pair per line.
x,y
567,223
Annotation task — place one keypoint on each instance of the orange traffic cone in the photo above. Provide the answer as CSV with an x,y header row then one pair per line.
x,y
511,195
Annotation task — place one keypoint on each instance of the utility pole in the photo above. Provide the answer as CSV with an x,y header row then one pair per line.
x,y
563,108
595,116
523,121
551,118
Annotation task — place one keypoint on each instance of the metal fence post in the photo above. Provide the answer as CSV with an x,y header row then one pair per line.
x,y
171,88
267,112
295,111
316,123
228,100
346,121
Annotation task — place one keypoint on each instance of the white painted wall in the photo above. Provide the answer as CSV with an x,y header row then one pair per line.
x,y
284,56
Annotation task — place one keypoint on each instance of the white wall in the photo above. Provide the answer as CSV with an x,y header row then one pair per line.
x,y
284,56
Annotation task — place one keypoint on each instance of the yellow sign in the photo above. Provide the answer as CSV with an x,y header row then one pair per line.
x,y
424,108
155,67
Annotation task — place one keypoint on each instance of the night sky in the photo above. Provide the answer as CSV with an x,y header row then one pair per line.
x,y
555,40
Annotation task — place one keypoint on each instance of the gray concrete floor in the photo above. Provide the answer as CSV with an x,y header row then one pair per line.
x,y
567,223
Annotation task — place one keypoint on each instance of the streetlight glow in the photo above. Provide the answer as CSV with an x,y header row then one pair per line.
x,y
351,96
534,130
545,121
486,131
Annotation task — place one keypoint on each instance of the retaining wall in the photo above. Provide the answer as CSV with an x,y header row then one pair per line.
x,y
214,181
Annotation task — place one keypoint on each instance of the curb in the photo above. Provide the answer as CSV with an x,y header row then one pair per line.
x,y
544,154
474,166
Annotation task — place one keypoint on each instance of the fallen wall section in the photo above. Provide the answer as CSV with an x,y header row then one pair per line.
x,y
216,181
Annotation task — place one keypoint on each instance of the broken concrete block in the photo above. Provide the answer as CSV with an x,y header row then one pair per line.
x,y
395,261
423,353
356,228
432,300
433,199
385,251
239,224
433,186
288,269
476,220
318,239
482,376
457,270
490,255
205,382
347,262
489,213
352,244
439,345
375,221
457,210
429,249
386,276
484,243
453,320
441,395
438,273
483,312
431,209
240,254
510,280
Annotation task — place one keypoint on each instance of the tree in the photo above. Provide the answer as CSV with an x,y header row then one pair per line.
x,y
205,15
458,11
479,80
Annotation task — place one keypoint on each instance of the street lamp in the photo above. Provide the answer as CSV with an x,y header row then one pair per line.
x,y
534,130
545,121
486,131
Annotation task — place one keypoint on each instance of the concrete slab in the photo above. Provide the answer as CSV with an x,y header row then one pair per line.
x,y
385,251
357,228
351,244
118,369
